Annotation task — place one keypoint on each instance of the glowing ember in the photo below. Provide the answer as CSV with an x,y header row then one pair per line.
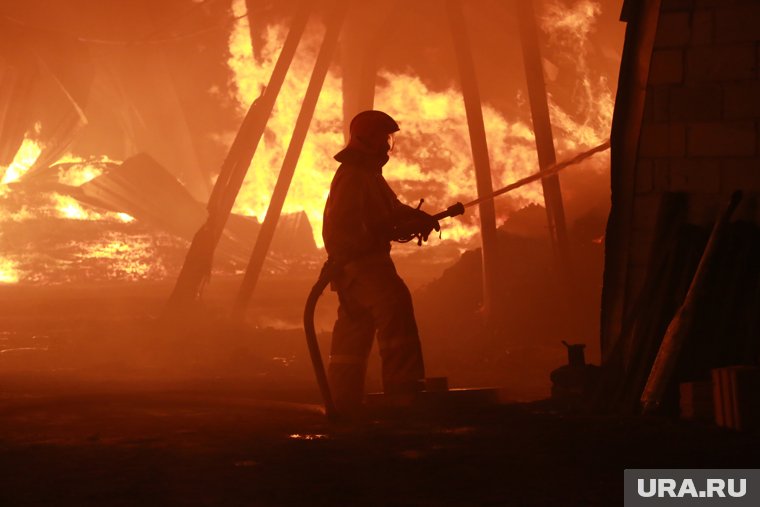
x,y
125,217
298,436
134,259
68,207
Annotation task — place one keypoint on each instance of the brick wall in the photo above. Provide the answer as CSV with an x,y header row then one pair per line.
x,y
701,127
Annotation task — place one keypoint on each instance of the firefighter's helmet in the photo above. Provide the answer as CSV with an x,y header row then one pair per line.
x,y
369,124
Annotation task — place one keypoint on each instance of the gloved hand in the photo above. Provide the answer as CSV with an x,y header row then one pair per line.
x,y
424,224
414,224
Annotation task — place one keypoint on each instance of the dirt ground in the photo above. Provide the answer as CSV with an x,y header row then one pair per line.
x,y
214,444
99,406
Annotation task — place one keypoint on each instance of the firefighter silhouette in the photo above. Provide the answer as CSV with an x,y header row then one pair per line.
x,y
361,215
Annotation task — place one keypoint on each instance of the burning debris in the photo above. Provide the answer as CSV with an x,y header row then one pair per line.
x,y
127,221
432,156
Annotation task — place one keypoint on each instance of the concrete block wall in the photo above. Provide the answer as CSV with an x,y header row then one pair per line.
x,y
701,127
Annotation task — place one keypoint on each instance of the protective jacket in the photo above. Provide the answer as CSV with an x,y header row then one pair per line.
x,y
361,209
360,214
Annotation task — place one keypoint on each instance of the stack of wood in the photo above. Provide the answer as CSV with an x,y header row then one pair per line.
x,y
705,298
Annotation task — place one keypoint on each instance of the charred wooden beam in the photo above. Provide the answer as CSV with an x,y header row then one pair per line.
x,y
642,18
479,147
368,26
305,115
542,127
358,64
197,266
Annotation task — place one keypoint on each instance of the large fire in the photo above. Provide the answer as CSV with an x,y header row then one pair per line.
x,y
567,30
431,160
433,147
8,271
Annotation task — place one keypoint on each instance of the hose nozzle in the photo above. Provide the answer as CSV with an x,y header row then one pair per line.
x,y
451,211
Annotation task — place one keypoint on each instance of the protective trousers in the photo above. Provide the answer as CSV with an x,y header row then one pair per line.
x,y
373,298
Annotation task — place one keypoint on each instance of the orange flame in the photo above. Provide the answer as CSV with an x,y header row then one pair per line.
x,y
77,172
69,208
567,31
80,172
9,273
26,156
573,23
310,186
433,154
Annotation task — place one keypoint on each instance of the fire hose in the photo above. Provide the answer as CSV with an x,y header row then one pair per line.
x,y
403,234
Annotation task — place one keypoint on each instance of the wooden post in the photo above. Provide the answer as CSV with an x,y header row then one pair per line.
x,y
358,64
642,20
197,266
479,149
368,26
264,239
539,108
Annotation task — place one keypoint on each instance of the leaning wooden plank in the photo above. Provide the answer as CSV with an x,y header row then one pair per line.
x,y
618,374
290,161
480,158
197,266
678,329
